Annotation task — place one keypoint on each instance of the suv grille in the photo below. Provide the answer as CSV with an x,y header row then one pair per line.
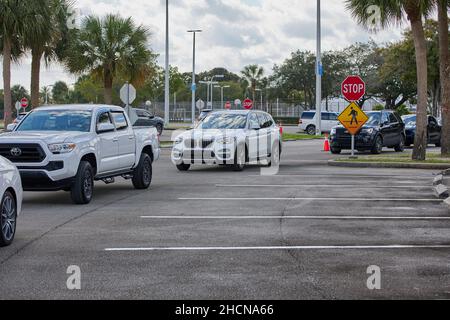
x,y
22,153
205,143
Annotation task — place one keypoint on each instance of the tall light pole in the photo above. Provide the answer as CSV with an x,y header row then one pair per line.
x,y
319,73
194,88
221,93
220,76
167,76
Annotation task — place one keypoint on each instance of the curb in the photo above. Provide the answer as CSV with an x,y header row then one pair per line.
x,y
394,165
438,180
441,191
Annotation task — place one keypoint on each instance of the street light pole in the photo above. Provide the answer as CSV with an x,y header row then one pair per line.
x,y
212,87
194,32
167,74
319,73
221,93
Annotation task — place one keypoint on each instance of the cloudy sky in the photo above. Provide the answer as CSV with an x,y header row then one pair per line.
x,y
236,32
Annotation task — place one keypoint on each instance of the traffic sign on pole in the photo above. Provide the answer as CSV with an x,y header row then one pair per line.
x,y
18,106
237,102
353,119
353,88
24,103
248,104
200,104
128,94
228,105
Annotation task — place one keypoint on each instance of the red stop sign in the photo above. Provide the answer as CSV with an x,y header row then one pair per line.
x,y
353,88
248,104
24,103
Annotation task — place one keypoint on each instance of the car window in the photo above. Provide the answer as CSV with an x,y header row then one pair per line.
x,y
333,116
253,120
104,118
308,115
385,118
392,118
432,121
264,121
222,120
120,120
57,120
325,116
270,121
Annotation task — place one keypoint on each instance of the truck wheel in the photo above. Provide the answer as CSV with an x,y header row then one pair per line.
x,y
8,218
311,130
83,187
142,176
183,167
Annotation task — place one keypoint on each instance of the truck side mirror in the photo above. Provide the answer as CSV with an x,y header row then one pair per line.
x,y
105,127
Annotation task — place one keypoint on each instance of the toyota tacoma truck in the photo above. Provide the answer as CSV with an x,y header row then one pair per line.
x,y
68,147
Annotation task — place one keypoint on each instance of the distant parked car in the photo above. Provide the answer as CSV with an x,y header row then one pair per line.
x,y
434,130
384,129
147,119
307,121
10,200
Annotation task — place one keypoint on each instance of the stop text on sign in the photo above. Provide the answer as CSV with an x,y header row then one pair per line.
x,y
353,88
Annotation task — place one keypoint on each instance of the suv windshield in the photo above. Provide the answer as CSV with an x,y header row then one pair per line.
x,y
374,118
57,120
224,121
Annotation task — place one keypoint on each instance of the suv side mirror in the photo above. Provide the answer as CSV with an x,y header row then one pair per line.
x,y
10,127
255,126
105,127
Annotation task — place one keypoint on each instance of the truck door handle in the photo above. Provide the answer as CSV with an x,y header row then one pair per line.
x,y
131,137
115,140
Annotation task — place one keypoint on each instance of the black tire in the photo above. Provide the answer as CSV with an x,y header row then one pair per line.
x,y
142,175
159,128
438,144
275,156
401,146
336,150
377,146
8,219
239,159
311,130
82,189
183,167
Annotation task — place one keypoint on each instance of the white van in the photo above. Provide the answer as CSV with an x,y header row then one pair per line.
x,y
307,122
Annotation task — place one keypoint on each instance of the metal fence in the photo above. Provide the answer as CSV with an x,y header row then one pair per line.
x,y
182,111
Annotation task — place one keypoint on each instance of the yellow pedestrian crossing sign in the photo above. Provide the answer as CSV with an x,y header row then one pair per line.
x,y
353,118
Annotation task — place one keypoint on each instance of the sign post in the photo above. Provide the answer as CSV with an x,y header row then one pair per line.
x,y
353,117
128,95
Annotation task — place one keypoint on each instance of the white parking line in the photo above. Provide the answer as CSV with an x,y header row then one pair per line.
x,y
280,248
319,186
290,218
313,199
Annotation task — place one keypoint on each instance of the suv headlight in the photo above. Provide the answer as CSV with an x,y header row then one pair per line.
x,y
225,140
61,148
368,131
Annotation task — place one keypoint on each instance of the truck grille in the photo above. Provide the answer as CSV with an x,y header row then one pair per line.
x,y
22,153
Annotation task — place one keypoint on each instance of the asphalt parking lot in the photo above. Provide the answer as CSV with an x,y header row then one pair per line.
x,y
309,232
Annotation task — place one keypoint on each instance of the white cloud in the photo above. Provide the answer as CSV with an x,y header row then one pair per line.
x,y
236,32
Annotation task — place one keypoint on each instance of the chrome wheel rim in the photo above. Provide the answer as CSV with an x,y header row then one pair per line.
x,y
87,185
8,213
146,172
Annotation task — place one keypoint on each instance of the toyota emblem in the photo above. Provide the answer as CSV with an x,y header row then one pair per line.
x,y
16,152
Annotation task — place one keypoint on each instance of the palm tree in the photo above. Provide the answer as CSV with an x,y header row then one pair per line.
x,y
108,48
15,17
253,75
45,39
444,55
392,12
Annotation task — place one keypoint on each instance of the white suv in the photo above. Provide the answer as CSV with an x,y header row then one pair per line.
x,y
307,122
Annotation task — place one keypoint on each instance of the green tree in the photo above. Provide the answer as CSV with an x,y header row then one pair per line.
x,y
16,18
60,92
109,48
444,59
393,11
46,39
18,92
253,74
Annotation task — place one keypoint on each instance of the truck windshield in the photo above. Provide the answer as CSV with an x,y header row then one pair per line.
x,y
57,120
224,121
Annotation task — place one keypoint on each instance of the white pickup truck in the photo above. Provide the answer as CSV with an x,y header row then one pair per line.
x,y
68,147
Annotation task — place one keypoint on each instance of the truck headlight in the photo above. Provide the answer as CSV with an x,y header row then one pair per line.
x,y
61,148
225,140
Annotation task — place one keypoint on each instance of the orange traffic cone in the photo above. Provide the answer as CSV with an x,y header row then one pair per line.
x,y
281,128
326,144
